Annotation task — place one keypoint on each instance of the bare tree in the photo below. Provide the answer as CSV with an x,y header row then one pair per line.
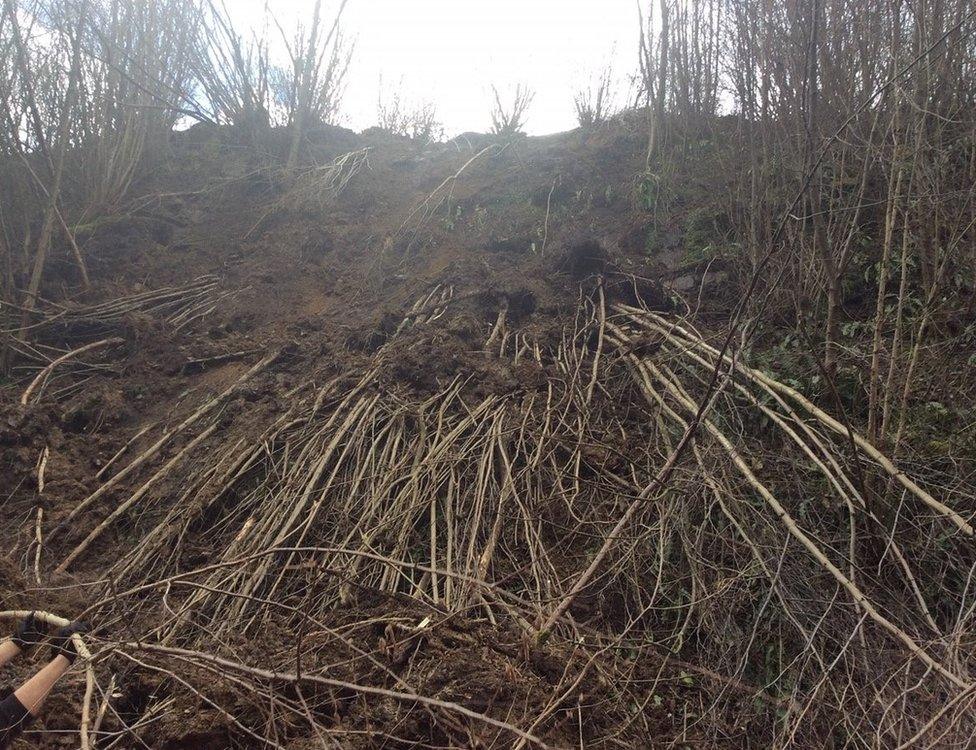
x,y
653,61
242,84
508,118
417,121
319,65
90,90
594,103
53,196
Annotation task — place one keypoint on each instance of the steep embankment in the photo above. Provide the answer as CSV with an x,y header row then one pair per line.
x,y
452,272
345,441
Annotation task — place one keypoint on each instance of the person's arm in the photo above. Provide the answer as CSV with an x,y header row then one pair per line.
x,y
33,692
30,631
14,715
17,710
8,651
13,718
63,654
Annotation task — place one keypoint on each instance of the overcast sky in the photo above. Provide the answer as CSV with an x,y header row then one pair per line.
x,y
452,51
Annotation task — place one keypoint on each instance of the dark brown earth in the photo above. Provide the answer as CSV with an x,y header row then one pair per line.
x,y
530,225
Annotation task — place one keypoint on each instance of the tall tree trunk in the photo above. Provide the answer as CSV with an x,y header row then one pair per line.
x,y
835,294
874,388
657,110
51,210
303,88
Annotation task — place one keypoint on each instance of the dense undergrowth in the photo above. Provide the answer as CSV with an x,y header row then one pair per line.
x,y
655,433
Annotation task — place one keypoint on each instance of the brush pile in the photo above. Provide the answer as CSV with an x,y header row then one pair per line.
x,y
364,440
353,564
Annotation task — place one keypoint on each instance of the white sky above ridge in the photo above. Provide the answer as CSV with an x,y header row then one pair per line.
x,y
451,52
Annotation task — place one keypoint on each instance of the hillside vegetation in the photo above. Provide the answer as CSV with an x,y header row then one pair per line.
x,y
654,433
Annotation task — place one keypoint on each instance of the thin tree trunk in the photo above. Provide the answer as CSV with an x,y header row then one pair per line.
x,y
834,299
657,118
27,79
879,314
51,211
303,92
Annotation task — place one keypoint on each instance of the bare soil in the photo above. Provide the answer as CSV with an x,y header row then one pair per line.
x,y
530,227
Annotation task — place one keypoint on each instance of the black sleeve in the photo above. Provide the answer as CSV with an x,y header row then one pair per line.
x,y
13,718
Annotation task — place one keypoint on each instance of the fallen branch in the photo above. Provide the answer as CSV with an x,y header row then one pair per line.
x,y
276,676
774,385
36,383
158,445
645,370
136,496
